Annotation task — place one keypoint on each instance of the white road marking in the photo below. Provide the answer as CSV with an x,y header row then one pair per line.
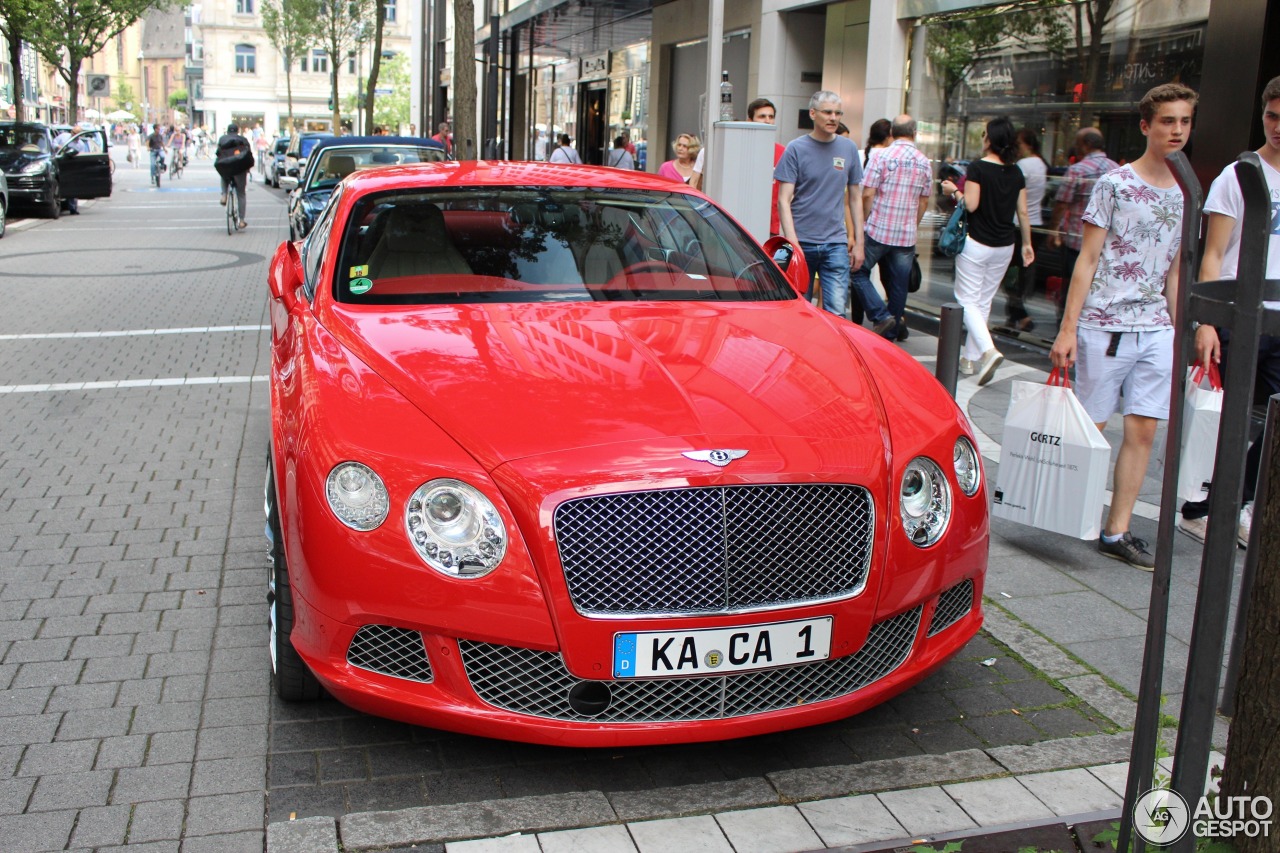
x,y
967,387
129,383
129,333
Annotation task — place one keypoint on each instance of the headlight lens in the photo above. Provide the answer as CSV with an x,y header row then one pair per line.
x,y
455,529
968,467
357,496
924,501
35,168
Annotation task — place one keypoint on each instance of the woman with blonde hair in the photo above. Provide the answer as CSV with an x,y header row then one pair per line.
x,y
681,168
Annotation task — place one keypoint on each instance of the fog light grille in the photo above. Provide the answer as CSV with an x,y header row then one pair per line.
x,y
531,682
397,652
953,604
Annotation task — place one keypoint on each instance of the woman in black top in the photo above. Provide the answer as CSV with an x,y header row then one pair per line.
x,y
994,191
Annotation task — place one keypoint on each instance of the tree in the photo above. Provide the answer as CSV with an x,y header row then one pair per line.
x,y
464,80
340,24
291,27
392,111
125,99
66,32
177,98
17,20
380,16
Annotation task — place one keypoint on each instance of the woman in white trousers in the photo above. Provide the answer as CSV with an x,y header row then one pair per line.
x,y
994,191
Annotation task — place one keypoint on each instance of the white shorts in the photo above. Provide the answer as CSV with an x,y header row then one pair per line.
x,y
1141,370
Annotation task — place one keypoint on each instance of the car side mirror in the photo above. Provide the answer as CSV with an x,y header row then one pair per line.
x,y
790,259
285,274
291,172
66,151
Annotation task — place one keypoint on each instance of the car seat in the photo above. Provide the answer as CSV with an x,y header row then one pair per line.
x,y
415,241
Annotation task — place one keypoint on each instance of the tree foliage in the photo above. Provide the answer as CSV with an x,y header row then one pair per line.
x,y
392,111
66,32
340,26
17,22
291,26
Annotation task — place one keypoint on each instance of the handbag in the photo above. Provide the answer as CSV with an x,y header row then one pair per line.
x,y
951,238
915,277
1201,413
129,157
1053,461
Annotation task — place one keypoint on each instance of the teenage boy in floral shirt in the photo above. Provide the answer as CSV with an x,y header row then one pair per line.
x,y
1116,322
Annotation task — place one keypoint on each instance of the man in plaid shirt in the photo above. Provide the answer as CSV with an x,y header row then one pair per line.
x,y
1073,197
895,193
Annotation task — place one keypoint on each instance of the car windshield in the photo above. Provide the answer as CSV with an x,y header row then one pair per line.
x,y
306,143
334,164
503,244
18,136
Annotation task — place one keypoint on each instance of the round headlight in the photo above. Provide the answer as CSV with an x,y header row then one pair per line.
x,y
455,529
968,467
357,496
924,501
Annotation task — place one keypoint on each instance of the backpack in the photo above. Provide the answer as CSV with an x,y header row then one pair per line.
x,y
234,156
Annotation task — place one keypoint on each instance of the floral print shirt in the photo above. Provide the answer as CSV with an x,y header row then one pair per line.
x,y
1144,231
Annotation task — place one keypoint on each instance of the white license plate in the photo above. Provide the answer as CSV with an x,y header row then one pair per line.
x,y
718,650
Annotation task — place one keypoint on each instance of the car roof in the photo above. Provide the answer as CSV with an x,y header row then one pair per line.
x,y
375,141
505,173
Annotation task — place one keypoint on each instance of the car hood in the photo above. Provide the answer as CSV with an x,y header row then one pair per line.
x,y
514,381
13,160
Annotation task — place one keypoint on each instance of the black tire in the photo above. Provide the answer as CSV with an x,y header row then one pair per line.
x,y
53,206
290,676
4,219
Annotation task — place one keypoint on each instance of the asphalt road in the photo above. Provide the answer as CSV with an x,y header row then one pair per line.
x,y
133,621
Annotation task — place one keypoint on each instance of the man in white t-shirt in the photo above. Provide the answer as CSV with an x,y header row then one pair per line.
x,y
1224,206
1117,320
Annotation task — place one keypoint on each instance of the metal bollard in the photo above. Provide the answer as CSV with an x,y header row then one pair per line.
x,y
950,335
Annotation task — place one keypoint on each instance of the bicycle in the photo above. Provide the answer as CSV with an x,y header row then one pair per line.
x,y
157,168
175,167
233,209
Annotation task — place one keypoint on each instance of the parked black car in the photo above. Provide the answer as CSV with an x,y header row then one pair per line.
x,y
331,160
41,175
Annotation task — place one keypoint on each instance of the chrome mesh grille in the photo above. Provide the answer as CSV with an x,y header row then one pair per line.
x,y
953,604
531,682
714,550
397,652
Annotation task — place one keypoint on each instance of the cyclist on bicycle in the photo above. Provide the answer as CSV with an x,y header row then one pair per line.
x,y
178,149
234,160
155,146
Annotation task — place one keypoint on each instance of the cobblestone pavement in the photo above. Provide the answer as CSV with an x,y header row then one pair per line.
x,y
137,705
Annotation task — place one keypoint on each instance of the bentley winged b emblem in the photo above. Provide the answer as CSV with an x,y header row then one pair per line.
x,y
719,458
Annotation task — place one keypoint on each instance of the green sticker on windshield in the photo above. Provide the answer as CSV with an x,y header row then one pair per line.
x,y
360,285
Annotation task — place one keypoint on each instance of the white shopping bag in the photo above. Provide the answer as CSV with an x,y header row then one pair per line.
x,y
1053,461
1201,413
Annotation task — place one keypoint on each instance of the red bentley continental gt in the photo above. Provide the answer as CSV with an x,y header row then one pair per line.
x,y
560,454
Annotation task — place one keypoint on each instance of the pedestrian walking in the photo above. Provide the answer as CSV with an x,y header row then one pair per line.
x,y
1116,328
135,146
879,136
619,157
1224,208
994,190
1020,280
686,146
1073,195
816,172
895,195
762,111
445,138
565,152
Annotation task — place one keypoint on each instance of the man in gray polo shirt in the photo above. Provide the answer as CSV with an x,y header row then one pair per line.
x,y
818,178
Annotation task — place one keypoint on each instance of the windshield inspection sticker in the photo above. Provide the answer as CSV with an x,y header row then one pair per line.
x,y
360,285
359,271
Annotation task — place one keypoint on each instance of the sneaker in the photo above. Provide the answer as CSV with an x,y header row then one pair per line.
x,y
884,327
985,369
242,225
1196,528
222,199
1246,524
1130,550
966,366
903,332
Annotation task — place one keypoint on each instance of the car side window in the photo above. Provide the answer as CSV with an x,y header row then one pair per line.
x,y
317,241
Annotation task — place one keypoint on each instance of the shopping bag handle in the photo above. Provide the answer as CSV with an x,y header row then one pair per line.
x,y
1059,376
1215,378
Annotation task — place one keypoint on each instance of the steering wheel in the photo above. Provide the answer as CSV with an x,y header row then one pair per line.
x,y
737,276
651,266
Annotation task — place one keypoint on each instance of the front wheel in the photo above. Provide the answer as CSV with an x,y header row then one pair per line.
x,y
292,679
53,207
4,215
